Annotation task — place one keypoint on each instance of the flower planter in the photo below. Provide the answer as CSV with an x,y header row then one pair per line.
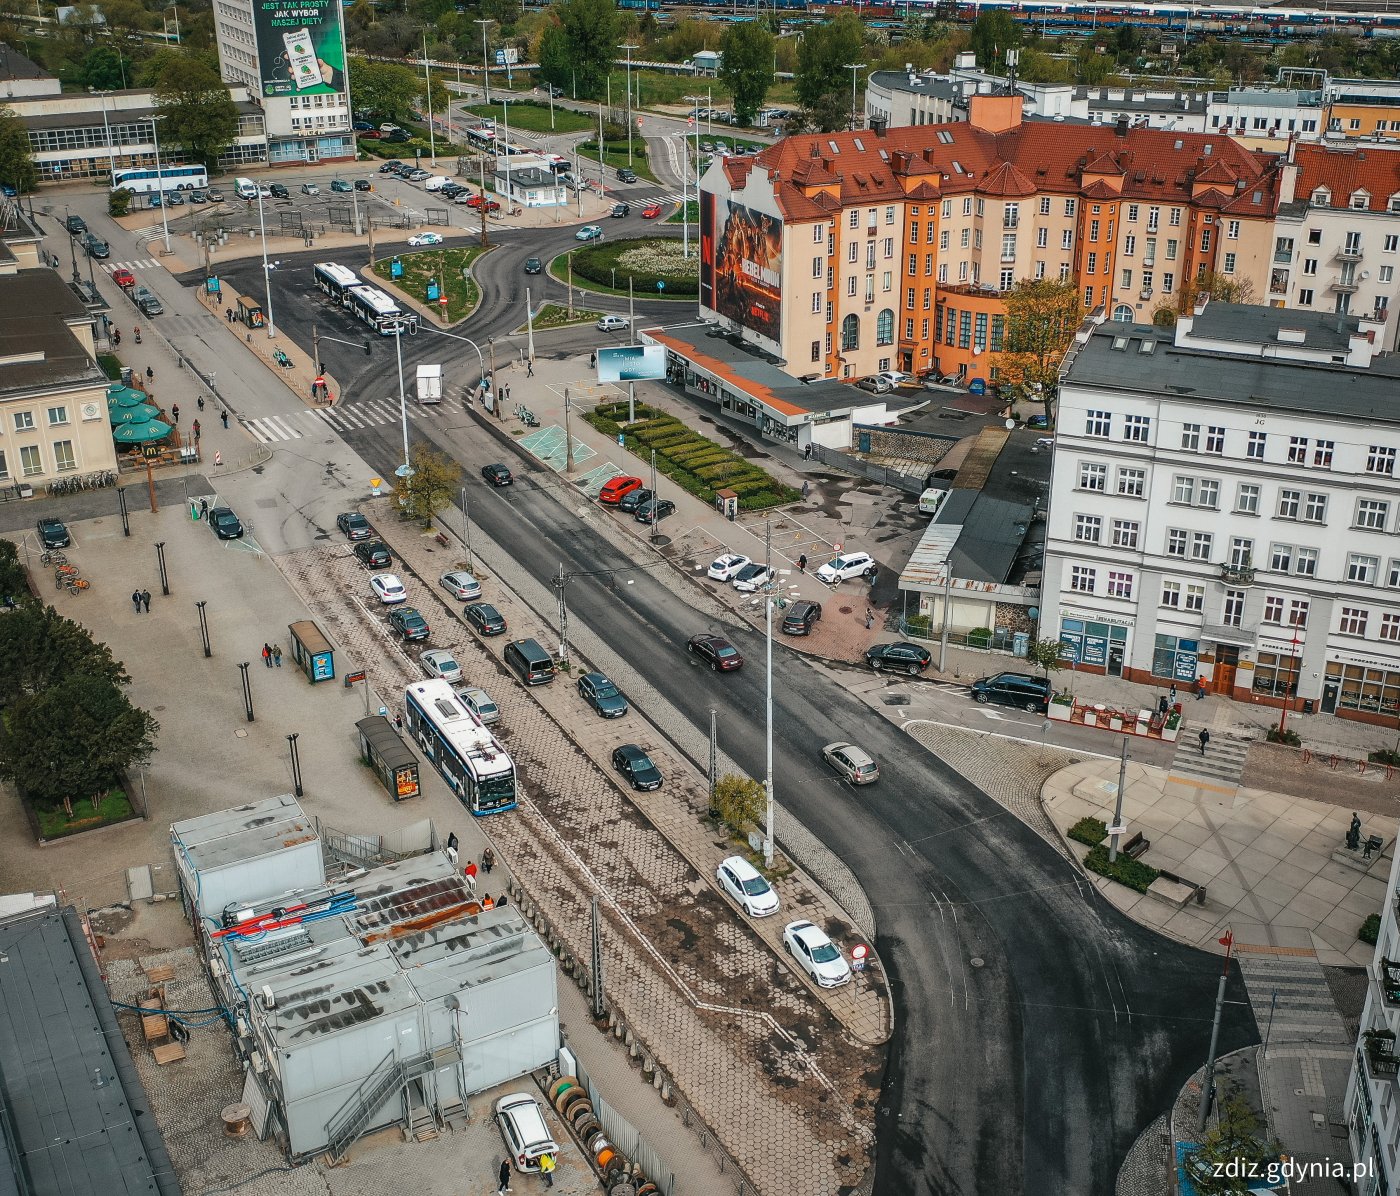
x,y
1061,712
1169,733
1115,722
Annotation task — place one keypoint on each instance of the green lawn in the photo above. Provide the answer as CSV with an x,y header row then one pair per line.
x,y
615,156
604,266
424,265
54,823
110,365
556,315
691,214
534,117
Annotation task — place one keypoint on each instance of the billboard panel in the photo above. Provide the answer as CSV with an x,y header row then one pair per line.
x,y
707,249
301,47
631,363
747,270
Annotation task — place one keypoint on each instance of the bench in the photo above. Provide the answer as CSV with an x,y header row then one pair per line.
x,y
1136,846
442,539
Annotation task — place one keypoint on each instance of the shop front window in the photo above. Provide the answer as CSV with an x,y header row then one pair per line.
x,y
1372,691
1086,642
1276,675
1175,659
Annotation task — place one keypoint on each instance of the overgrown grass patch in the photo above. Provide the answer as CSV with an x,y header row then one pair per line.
x,y
1133,873
1089,831
646,260
54,822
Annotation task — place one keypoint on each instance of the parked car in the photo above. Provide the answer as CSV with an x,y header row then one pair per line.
x,y
816,954
746,885
310,189
523,1128
408,623
439,662
353,525
215,195
95,246
388,588
651,211
852,762
485,618
497,474
602,695
621,209
726,567
752,577
362,126
716,651
123,278
279,191
844,567
374,553
801,617
53,533
896,377
900,657
637,767
612,324
372,135
341,186
1022,690
199,197
479,702
633,499
425,239
615,489
461,585
75,225
417,176
654,510
225,524
361,185
390,167
589,232
533,265
146,301
875,385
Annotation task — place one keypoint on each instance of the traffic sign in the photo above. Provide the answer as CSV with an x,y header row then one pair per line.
x,y
660,284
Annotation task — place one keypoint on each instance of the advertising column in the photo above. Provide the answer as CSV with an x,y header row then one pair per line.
x,y
301,47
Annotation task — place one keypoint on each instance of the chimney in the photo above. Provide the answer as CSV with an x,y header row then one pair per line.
x,y
878,125
1121,128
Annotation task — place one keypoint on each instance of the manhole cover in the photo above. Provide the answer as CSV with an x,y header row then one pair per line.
x,y
976,961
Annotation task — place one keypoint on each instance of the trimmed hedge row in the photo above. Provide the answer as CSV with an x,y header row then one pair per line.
x,y
693,462
1089,831
1133,873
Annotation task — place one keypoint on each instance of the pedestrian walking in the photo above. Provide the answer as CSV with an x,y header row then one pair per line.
x,y
1204,737
223,415
1162,704
267,655
869,618
488,861
873,575
1171,695
1200,688
593,359
487,902
547,1169
136,601
503,1186
398,719
150,373
529,369
175,412
807,452
194,427
199,402
802,563
277,655
806,488
469,875
204,508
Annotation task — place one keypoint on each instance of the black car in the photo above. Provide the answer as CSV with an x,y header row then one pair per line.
x,y
374,553
1014,689
75,225
801,617
655,510
225,524
602,695
354,526
279,191
633,499
398,135
95,246
533,265
716,651
627,176
497,474
408,623
485,618
53,534
362,185
390,167
902,657
622,209
636,766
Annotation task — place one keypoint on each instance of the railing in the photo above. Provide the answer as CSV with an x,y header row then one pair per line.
x,y
1347,285
1381,1060
1239,575
354,1115
1348,253
1389,978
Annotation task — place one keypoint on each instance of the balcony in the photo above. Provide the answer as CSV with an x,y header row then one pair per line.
x,y
1283,257
1389,978
1379,1049
1347,286
1237,575
1348,253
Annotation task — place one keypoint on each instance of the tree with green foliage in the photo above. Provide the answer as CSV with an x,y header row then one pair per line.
x,y
555,58
39,647
592,29
16,158
1042,317
14,583
739,802
196,112
823,76
384,88
1045,655
431,486
1090,67
1220,288
993,33
1237,1137
747,67
119,202
102,69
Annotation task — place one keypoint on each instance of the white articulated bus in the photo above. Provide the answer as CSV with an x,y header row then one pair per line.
x,y
470,759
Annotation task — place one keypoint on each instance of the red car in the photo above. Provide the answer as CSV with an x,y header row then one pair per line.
x,y
492,205
371,135
124,278
651,212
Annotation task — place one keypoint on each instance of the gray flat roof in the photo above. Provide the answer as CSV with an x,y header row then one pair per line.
x,y
79,1115
34,308
243,833
1252,324
943,89
1246,379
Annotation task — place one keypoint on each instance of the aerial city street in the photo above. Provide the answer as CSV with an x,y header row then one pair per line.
x,y
689,599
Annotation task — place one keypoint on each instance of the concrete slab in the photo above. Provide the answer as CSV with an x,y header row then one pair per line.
x,y
1325,890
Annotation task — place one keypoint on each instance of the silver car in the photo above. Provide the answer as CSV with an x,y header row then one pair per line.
x,y
461,584
854,763
479,702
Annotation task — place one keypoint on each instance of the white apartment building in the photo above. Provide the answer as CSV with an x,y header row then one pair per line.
x,y
1225,505
1372,1101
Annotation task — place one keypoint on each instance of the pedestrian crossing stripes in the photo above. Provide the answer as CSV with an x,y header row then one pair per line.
x,y
667,197
295,425
144,263
1291,997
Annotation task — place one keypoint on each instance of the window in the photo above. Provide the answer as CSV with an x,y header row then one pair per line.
x,y
1120,585
57,416
1232,230
1280,557
1322,453
965,238
913,266
1390,627
1195,597
1247,499
63,458
1069,207
1372,514
1353,620
29,461
909,328
870,255
1176,542
889,215
884,327
24,421
1201,544
854,221
1136,427
1171,594
947,209
816,234
1096,423
1168,281
1387,274
1208,493
1305,298
850,331
1362,568
1125,533
1298,450
1088,296
852,251
1008,247
1129,245
1081,578
1229,267
1232,609
1191,437
1045,205
1241,552
1088,528
943,239
1093,230
1289,501
1392,577
1380,459
1215,440
1315,508
4,466
1092,264
929,260
1067,239
816,350
1205,240
1254,450
1132,482
1183,489
1305,564
816,303
1042,238
1273,609
1171,249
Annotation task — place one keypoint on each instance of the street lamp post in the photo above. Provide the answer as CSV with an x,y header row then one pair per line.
x,y
164,220
854,67
72,243
768,597
267,269
485,63
203,629
406,469
505,113
296,763
428,94
107,132
629,47
694,102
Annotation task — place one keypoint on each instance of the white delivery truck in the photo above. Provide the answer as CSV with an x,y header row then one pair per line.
x,y
430,384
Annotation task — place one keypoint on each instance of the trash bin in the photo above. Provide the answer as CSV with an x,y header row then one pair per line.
x,y
1020,643
1307,705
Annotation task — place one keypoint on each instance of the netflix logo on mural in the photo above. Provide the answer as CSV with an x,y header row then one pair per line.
x,y
748,271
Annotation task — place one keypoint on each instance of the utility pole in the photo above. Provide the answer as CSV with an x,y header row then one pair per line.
x,y
467,532
654,496
568,436
1208,1080
428,86
484,241
768,697
1118,804
947,612
629,48
529,328
853,67
485,64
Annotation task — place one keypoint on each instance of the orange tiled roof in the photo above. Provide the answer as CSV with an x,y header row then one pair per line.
x,y
1006,181
1373,169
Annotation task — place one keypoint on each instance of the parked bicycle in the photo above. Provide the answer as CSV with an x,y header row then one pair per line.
x,y
53,557
78,585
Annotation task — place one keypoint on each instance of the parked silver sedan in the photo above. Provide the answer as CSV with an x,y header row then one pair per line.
x,y
461,585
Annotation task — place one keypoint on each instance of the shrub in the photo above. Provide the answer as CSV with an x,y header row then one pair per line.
x,y
979,637
1133,873
1384,756
1287,736
1090,831
1370,930
739,802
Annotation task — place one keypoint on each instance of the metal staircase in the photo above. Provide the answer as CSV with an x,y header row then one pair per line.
x,y
390,1076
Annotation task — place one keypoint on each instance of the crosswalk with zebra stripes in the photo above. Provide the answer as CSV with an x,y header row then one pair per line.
x,y
144,263
366,413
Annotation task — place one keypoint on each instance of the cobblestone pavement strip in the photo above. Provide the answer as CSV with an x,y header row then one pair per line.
x,y
760,1058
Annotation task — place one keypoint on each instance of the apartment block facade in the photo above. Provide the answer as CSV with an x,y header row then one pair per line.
x,y
895,248
1225,505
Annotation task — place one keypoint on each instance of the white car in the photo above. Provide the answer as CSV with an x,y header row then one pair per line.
x,y
310,189
523,1127
612,323
388,588
461,584
743,882
725,568
436,183
752,577
439,662
847,565
479,702
820,958
589,232
425,239
896,377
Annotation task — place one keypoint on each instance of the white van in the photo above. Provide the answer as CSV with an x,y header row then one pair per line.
x,y
436,183
246,188
932,500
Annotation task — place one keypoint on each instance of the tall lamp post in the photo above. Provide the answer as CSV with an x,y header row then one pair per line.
x,y
267,268
164,220
1290,685
428,95
406,469
505,113
629,47
485,62
854,68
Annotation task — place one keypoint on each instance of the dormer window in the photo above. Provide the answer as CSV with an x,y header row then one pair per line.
x,y
1393,203
1321,198
1360,200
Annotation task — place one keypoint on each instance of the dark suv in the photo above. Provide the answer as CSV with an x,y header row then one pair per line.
x,y
1014,689
801,617
633,499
